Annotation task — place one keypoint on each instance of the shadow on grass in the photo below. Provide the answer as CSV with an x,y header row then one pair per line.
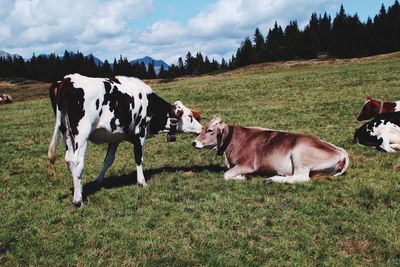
x,y
131,179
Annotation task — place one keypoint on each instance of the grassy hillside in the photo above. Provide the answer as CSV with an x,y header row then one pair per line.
x,y
22,90
189,215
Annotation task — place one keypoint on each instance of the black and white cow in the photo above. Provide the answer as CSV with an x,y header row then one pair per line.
x,y
383,132
110,110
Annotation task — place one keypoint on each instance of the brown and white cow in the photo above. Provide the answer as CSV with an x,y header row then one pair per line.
x,y
111,110
373,108
283,156
6,99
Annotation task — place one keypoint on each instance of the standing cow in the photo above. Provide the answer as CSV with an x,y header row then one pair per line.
x,y
110,111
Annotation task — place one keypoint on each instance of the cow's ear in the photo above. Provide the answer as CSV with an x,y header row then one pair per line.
x,y
368,98
217,119
196,115
221,126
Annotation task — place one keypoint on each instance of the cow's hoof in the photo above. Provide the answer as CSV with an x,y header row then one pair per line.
x,y
143,184
78,204
268,181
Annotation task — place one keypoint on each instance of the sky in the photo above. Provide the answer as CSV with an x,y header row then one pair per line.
x,y
162,29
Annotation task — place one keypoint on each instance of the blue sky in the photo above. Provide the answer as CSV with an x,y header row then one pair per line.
x,y
182,10
365,8
158,28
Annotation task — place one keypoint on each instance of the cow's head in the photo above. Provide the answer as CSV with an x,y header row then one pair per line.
x,y
187,119
211,134
370,110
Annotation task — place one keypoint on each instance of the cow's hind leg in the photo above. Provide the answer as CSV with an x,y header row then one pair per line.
x,y
138,143
301,172
108,161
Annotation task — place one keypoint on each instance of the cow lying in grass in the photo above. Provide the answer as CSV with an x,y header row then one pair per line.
x,y
287,157
383,132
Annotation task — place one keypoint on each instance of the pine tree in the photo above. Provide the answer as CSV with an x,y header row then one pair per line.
x,y
338,36
105,70
393,27
151,73
292,41
313,30
224,65
181,67
244,54
325,26
199,64
275,44
380,31
162,73
189,64
259,47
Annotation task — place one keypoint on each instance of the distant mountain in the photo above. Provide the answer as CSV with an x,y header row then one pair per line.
x,y
148,60
4,54
97,61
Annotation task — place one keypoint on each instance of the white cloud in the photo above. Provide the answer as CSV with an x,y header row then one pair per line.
x,y
41,23
105,27
233,18
163,32
219,29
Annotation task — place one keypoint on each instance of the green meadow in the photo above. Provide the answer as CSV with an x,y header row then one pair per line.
x,y
188,215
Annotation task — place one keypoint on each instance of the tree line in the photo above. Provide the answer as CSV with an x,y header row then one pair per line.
x,y
343,37
53,67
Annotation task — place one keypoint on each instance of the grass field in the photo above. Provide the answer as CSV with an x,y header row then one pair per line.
x,y
188,215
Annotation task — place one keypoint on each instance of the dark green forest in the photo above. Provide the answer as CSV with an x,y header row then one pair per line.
x,y
344,36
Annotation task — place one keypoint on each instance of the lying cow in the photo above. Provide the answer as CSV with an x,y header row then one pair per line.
x,y
373,108
6,99
290,157
383,132
110,111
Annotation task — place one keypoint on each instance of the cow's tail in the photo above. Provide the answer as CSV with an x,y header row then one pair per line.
x,y
66,100
51,153
52,147
343,163
58,102
54,89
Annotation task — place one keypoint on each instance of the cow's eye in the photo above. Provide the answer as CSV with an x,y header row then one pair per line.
x,y
210,130
191,118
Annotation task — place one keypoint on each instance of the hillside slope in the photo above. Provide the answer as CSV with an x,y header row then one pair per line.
x,y
190,216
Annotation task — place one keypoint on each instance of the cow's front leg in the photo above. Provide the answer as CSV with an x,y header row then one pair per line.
x,y
108,161
238,172
301,175
138,149
386,146
395,147
76,171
